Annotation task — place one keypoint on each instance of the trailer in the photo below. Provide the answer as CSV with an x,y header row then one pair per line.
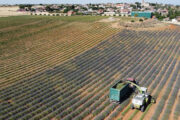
x,y
123,89
119,91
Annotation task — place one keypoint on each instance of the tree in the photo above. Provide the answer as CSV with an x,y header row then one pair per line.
x,y
22,6
66,10
48,8
133,6
75,10
95,8
61,6
141,20
138,4
101,8
29,7
84,8
158,16
153,4
173,13
73,7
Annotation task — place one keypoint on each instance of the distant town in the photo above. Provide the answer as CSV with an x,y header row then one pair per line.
x,y
163,12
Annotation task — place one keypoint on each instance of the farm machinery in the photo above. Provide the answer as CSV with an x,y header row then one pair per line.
x,y
123,89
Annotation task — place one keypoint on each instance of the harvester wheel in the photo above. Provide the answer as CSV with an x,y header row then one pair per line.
x,y
132,106
142,109
153,100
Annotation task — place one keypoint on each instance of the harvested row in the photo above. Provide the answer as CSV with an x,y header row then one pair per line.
x,y
171,100
158,78
149,64
35,61
143,62
117,56
41,83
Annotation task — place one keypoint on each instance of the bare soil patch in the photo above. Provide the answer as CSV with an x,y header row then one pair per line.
x,y
11,11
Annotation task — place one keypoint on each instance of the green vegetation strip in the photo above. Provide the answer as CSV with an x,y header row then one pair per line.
x,y
147,109
126,110
132,116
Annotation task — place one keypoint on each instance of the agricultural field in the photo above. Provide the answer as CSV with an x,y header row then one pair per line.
x,y
11,11
62,68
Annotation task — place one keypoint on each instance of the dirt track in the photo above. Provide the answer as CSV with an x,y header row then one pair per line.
x,y
11,11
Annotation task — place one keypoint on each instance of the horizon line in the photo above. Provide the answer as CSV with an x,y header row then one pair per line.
x,y
86,3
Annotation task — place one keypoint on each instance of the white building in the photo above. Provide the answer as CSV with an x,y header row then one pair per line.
x,y
109,13
125,12
145,4
102,6
90,10
174,21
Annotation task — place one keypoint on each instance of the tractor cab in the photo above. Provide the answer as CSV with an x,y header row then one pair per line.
x,y
138,100
144,90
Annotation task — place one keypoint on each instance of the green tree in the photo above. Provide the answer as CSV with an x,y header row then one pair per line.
x,y
22,6
153,4
95,8
133,6
48,8
29,7
158,16
66,10
138,4
84,8
173,13
75,10
141,20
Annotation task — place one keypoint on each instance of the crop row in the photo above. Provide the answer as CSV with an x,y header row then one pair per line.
x,y
49,55
112,72
171,100
79,87
146,78
166,94
158,79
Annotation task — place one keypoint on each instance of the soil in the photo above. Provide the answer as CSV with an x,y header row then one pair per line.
x,y
120,114
162,113
153,107
111,113
11,11
138,115
110,19
116,25
171,117
128,114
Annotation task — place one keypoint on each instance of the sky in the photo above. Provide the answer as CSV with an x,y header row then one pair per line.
x,y
175,2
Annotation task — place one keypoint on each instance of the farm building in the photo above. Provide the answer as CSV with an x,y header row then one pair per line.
x,y
141,14
109,13
70,13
